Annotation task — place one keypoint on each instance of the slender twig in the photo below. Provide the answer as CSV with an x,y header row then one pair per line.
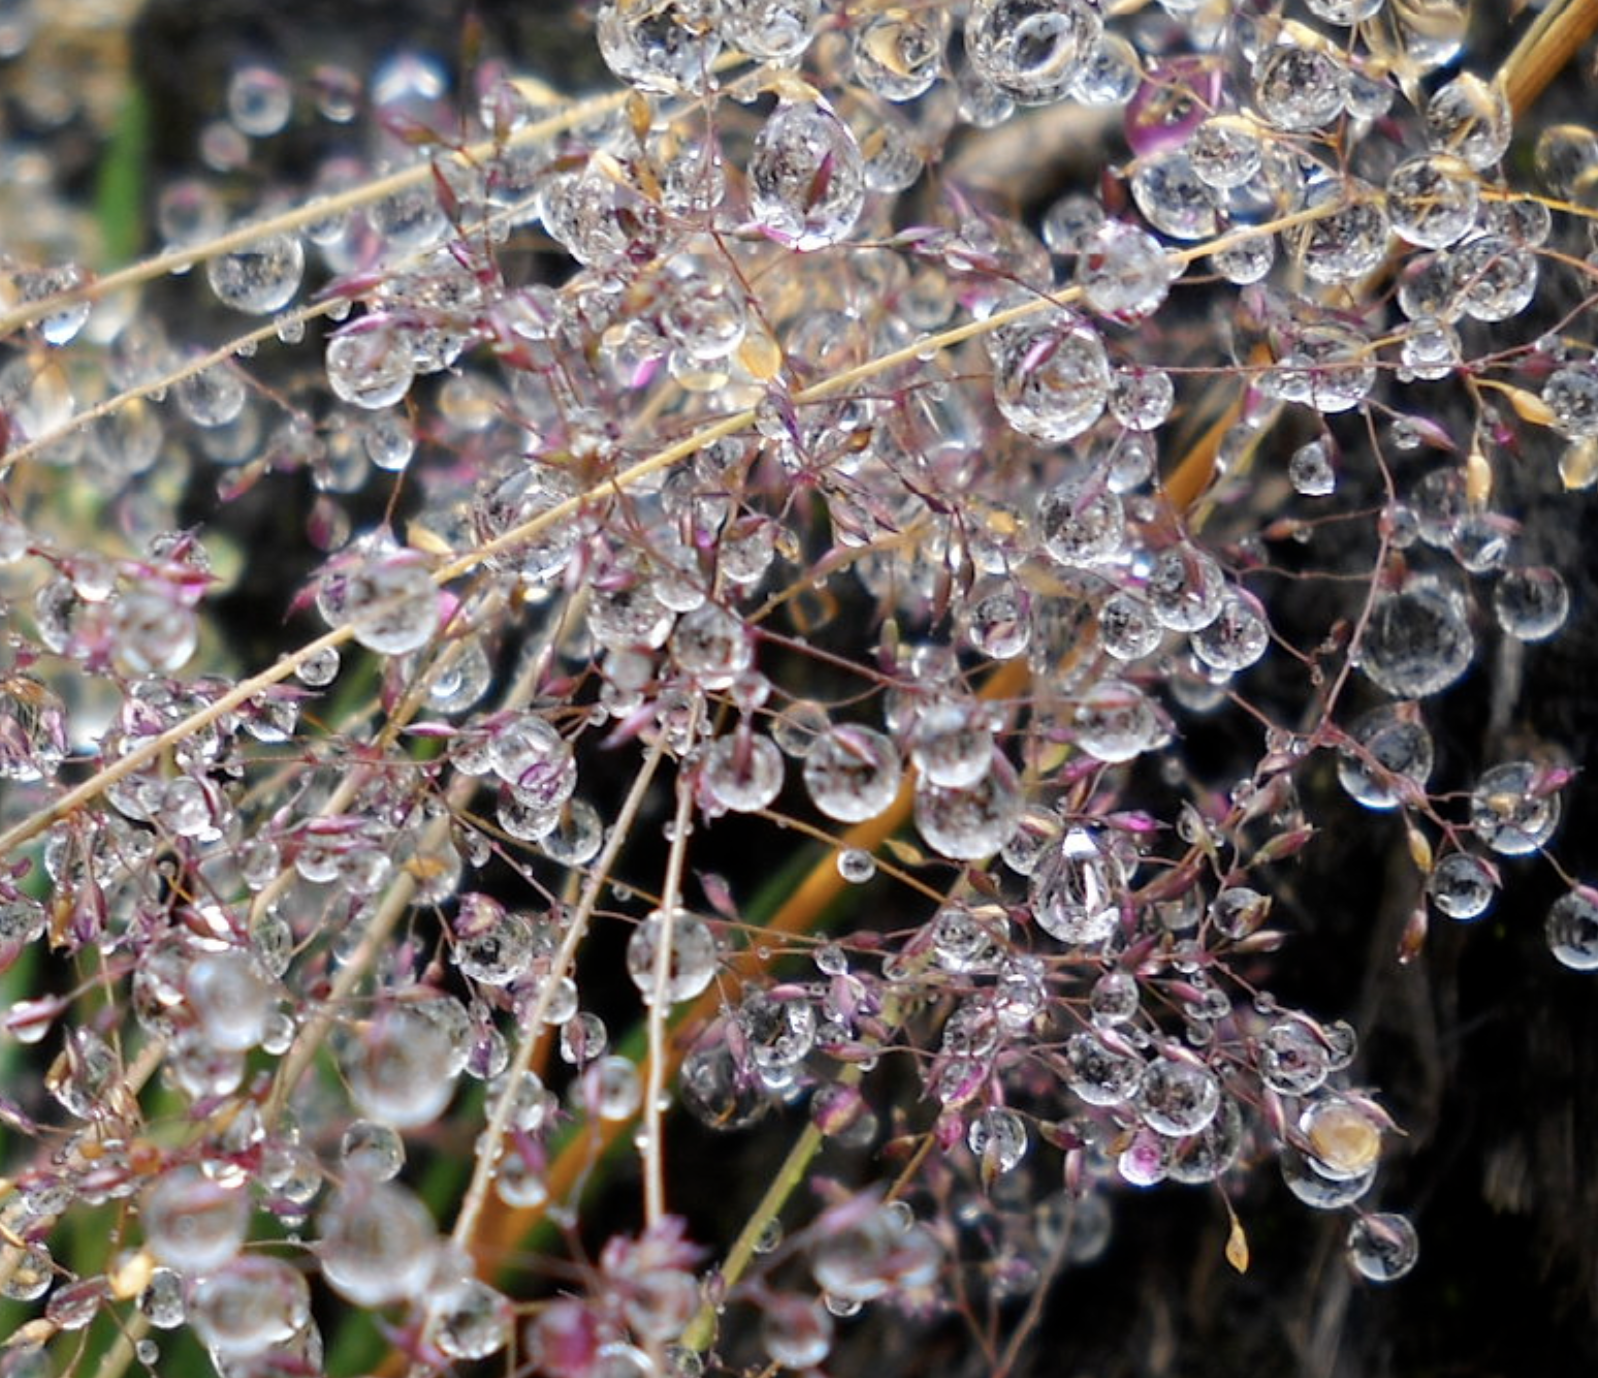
x,y
1553,39
560,964
660,984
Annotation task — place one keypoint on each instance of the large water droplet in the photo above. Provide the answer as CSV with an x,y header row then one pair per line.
x,y
852,773
1031,50
1418,641
806,176
261,277
692,962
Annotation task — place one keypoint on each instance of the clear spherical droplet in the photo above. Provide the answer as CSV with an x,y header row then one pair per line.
x,y
998,1137
377,1243
1432,200
1177,1098
692,963
1511,811
1031,50
1393,760
1572,930
806,176
191,1223
1076,890
852,773
1298,89
1383,1247
249,1305
1082,523
1124,273
1462,886
1417,641
261,277
373,1150
1310,470
1051,377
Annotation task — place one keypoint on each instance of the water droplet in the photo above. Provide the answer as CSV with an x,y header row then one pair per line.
x,y
1314,1188
371,363
806,176
232,997
1383,1247
1531,603
864,1261
998,1137
1292,1061
1471,119
1128,628
389,601
259,100
1394,761
1572,396
1432,199
1572,930
1347,241
377,1243
852,773
1076,890
1430,348
1082,523
898,53
191,1223
1462,886
1177,1098
319,670
1226,150
1141,400
1494,278
1417,641
249,1305
1116,721
1510,810
970,823
261,277
1237,637
1124,274
212,397
693,960
1031,50
1098,1074
1173,197
1343,1137
856,866
492,945
1298,89
402,1069
775,31
33,729
661,46
613,1088
373,1150
162,1299
742,771
470,1320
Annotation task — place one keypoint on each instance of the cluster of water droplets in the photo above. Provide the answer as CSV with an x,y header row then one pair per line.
x,y
1076,498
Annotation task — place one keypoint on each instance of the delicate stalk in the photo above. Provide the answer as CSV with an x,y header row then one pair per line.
x,y
1556,35
660,983
488,1151
136,760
